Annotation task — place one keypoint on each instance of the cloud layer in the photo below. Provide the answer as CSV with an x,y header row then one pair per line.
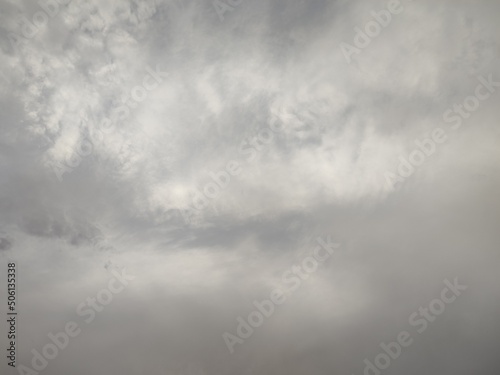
x,y
116,115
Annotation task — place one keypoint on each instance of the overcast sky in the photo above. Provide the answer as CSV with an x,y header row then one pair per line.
x,y
115,114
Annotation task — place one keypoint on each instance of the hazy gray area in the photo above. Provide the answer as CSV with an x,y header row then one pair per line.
x,y
202,81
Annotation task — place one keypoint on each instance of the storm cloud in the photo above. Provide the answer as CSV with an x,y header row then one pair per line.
x,y
202,148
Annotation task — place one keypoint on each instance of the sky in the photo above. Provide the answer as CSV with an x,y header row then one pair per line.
x,y
277,187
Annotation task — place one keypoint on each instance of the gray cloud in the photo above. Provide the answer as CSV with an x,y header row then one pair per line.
x,y
342,127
